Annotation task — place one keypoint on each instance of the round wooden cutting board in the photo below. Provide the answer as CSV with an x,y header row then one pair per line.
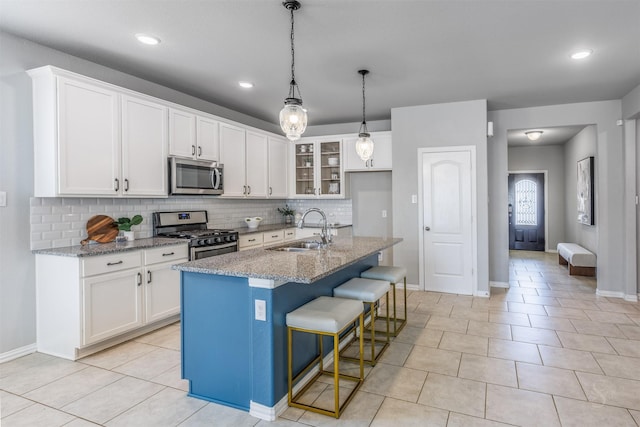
x,y
101,229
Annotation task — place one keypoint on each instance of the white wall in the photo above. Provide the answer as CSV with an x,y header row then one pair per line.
x,y
577,148
551,159
609,164
440,125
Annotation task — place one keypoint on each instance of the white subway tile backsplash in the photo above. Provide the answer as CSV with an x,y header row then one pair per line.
x,y
57,222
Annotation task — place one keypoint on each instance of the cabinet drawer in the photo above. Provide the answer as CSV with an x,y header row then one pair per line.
x,y
289,234
250,240
110,263
165,254
273,236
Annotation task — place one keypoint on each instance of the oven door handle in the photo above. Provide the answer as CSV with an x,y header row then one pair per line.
x,y
208,248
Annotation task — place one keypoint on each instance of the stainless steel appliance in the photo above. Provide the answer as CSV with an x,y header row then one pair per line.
x,y
192,225
195,177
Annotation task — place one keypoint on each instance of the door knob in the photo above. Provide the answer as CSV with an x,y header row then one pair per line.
x,y
427,228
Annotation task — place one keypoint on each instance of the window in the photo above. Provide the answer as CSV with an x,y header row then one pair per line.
x,y
526,203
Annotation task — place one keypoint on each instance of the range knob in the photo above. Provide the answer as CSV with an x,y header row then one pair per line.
x,y
233,237
217,239
210,241
202,242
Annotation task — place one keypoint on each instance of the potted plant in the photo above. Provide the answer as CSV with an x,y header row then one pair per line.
x,y
287,213
124,224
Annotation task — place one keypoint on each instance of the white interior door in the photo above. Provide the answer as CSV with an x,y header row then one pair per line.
x,y
448,231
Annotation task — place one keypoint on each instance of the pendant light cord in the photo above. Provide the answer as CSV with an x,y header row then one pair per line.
x,y
293,52
364,122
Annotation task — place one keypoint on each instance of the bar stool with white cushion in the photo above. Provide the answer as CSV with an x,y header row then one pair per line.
x,y
324,316
393,275
370,292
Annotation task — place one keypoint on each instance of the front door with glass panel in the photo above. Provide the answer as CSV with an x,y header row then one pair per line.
x,y
526,211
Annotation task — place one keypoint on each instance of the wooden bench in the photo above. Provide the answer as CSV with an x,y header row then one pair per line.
x,y
581,262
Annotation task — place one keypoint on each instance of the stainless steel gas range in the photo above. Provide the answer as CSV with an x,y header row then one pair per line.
x,y
192,225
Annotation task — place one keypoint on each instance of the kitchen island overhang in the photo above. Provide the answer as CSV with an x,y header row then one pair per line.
x,y
228,355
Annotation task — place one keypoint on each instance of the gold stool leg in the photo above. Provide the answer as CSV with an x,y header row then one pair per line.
x,y
289,366
336,374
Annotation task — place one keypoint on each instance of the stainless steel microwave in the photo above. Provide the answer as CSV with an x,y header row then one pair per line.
x,y
188,176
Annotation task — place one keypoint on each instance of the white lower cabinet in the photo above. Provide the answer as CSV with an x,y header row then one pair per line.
x,y
87,304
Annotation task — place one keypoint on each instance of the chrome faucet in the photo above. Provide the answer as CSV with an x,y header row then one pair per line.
x,y
325,234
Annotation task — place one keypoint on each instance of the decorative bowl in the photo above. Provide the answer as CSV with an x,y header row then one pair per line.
x,y
332,161
253,222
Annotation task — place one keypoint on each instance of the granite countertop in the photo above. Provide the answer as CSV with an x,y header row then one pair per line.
x,y
300,267
110,248
272,227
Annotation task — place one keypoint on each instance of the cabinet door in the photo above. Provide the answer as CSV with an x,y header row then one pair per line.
x,y
88,139
144,148
207,139
256,165
112,304
278,176
162,291
304,170
182,133
381,159
232,156
329,169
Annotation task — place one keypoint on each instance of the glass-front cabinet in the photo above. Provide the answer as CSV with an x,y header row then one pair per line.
x,y
318,166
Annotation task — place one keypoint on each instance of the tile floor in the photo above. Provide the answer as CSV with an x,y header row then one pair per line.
x,y
546,352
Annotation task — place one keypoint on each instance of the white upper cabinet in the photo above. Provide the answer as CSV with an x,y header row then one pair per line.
x,y
232,156
144,147
381,159
318,168
278,176
192,135
256,165
87,147
94,139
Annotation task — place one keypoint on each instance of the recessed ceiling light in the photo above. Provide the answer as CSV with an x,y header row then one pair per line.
x,y
581,54
533,135
147,39
246,85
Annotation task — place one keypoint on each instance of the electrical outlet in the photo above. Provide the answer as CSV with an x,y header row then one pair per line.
x,y
380,257
384,213
414,198
261,309
3,199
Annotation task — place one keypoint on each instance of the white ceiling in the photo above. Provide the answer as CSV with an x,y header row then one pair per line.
x,y
557,135
514,53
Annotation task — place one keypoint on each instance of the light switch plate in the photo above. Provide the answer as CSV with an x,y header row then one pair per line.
x,y
3,199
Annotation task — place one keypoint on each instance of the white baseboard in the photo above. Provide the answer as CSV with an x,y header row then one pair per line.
x,y
498,284
18,352
552,251
632,298
610,294
483,294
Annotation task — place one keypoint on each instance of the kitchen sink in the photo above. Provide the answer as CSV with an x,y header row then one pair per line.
x,y
298,246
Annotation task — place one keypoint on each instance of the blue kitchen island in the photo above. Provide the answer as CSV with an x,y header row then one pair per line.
x,y
233,317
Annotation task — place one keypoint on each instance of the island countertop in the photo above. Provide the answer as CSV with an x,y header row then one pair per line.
x,y
300,267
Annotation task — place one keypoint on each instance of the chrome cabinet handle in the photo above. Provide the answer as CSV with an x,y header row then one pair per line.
x,y
427,228
193,150
199,151
114,263
139,279
117,184
270,190
126,184
371,162
249,187
148,276
169,254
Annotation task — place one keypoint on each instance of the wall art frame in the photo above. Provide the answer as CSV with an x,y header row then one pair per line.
x,y
585,191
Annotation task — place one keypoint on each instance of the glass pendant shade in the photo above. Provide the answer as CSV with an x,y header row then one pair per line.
x,y
364,146
293,119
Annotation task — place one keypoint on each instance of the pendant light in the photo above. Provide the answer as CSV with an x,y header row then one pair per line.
x,y
293,117
364,144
